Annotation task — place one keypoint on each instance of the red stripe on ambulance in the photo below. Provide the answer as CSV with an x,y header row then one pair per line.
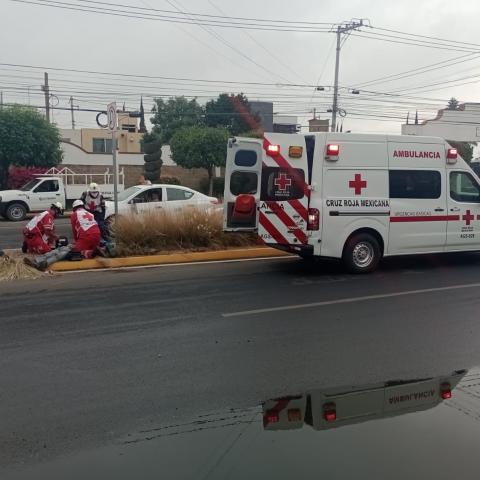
x,y
299,207
425,218
271,229
289,223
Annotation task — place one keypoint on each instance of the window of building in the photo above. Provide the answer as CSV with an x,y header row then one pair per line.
x,y
178,194
102,145
422,184
464,188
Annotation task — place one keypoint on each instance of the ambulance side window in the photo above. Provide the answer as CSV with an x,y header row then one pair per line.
x,y
245,158
464,188
421,184
243,182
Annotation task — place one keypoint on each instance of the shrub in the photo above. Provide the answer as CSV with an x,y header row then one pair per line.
x,y
169,180
218,186
19,176
192,230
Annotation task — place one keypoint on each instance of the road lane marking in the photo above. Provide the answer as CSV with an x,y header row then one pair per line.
x,y
347,300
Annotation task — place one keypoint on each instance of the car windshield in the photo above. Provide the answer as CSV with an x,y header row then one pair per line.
x,y
128,193
29,185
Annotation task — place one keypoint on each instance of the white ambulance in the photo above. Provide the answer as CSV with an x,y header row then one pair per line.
x,y
352,196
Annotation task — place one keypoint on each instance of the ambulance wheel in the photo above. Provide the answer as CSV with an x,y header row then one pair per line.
x,y
16,212
362,253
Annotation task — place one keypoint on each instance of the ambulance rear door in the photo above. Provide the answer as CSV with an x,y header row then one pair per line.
x,y
285,192
242,184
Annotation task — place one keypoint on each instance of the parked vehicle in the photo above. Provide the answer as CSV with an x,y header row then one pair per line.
x,y
62,186
354,197
158,197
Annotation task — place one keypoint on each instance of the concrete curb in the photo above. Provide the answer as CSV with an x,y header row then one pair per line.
x,y
169,259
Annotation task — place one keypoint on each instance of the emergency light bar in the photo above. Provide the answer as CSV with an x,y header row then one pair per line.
x,y
452,154
273,150
332,151
329,412
445,391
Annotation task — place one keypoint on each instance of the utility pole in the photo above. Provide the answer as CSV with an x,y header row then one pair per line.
x,y
341,29
46,90
72,113
1,100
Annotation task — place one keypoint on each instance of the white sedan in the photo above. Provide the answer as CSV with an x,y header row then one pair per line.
x,y
161,197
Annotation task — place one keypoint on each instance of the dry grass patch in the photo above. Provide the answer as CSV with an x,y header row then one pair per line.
x,y
13,268
192,230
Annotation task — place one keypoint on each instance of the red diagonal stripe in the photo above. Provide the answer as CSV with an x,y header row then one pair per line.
x,y
288,222
281,162
300,208
272,230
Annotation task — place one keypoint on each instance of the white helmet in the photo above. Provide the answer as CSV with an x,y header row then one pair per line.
x,y
57,207
93,187
77,203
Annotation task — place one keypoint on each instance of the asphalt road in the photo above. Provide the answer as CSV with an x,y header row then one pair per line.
x,y
88,359
11,232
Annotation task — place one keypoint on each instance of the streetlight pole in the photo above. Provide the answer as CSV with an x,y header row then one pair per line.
x,y
344,28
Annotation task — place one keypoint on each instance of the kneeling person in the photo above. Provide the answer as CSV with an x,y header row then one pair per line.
x,y
39,234
86,232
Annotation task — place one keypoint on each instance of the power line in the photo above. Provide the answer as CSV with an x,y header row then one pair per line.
x,y
420,70
362,35
164,18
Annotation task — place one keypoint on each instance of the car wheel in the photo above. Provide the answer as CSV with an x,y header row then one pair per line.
x,y
16,212
362,253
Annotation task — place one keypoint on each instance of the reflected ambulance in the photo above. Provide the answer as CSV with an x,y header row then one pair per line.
x,y
328,408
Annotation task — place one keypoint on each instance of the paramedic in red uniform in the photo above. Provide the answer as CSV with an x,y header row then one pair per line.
x,y
94,202
86,232
39,234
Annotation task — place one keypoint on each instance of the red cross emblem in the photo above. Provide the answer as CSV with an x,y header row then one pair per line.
x,y
283,182
358,184
86,216
468,217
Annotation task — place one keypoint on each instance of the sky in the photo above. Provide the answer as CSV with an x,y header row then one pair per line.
x,y
130,56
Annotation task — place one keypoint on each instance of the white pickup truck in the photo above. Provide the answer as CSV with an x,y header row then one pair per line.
x,y
39,193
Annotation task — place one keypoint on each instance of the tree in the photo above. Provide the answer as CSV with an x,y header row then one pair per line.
x,y
232,112
26,140
174,114
453,104
200,147
152,146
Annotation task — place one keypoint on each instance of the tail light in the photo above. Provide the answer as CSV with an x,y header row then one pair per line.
x,y
271,416
445,391
329,412
273,150
245,204
313,222
333,150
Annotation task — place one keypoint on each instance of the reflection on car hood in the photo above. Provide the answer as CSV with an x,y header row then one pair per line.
x,y
394,429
